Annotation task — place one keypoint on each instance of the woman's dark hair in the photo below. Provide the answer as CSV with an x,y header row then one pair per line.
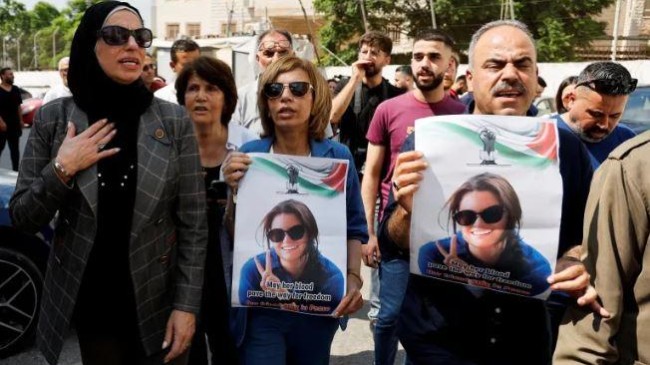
x,y
304,215
502,190
212,71
319,116
559,105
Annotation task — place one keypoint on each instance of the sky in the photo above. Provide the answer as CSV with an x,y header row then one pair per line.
x,y
144,6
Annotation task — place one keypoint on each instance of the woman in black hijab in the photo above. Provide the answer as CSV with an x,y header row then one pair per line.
x,y
122,171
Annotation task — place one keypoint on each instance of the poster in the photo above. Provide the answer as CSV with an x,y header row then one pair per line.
x,y
488,210
290,248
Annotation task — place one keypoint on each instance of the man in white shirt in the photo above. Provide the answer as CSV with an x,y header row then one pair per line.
x,y
271,45
60,90
183,51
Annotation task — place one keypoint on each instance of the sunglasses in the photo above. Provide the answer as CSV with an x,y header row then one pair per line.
x,y
278,234
273,44
611,86
114,35
490,215
149,67
275,89
269,53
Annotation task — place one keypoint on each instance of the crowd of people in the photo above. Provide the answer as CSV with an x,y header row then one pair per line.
x,y
140,176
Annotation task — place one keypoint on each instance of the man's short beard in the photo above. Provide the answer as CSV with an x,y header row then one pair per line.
x,y
372,71
575,127
437,80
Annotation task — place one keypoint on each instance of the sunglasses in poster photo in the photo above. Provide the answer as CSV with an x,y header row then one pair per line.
x,y
115,35
295,233
489,215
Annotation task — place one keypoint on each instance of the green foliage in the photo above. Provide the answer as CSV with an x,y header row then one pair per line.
x,y
43,29
558,26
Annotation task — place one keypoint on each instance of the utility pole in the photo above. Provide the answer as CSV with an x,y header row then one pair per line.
x,y
507,10
617,14
54,47
36,51
231,11
311,33
363,15
18,50
4,51
433,16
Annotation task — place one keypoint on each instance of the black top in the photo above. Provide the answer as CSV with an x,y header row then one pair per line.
x,y
354,126
9,103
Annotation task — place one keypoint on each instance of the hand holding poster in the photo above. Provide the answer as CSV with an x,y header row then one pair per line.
x,y
488,210
290,234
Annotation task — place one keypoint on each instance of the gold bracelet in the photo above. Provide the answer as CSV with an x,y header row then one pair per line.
x,y
354,274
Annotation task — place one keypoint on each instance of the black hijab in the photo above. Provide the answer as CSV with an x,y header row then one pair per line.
x,y
93,91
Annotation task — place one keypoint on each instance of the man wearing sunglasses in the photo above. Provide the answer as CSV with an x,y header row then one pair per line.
x,y
60,90
271,45
439,321
391,124
596,106
149,76
183,51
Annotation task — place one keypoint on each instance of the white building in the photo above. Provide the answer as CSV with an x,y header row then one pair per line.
x,y
172,19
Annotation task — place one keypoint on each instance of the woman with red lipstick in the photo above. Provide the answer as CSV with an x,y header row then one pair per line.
x,y
119,172
487,209
206,88
295,103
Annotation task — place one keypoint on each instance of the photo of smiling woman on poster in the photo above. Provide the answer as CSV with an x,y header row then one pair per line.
x,y
486,250
292,271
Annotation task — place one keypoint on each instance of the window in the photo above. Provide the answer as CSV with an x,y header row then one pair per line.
x,y
171,31
224,28
194,30
394,33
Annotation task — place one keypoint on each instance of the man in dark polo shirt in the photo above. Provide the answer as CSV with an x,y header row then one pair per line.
x,y
11,119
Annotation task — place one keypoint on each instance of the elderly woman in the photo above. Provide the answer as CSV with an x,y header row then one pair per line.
x,y
295,103
488,212
206,88
122,172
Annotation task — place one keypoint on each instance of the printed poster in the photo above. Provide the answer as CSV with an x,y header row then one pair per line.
x,y
291,234
488,210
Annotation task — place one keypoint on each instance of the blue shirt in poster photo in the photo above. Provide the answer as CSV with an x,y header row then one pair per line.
x,y
321,277
518,262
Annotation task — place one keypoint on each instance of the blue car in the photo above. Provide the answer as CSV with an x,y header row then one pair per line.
x,y
23,258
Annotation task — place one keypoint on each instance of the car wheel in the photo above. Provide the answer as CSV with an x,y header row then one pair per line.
x,y
20,295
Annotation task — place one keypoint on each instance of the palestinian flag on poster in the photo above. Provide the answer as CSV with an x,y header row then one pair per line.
x,y
322,177
529,144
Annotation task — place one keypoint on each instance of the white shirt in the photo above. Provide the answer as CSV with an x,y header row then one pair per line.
x,y
167,93
58,91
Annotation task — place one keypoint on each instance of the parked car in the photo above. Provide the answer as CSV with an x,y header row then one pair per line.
x,y
637,111
29,106
23,258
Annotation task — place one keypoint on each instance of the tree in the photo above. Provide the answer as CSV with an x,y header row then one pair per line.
x,y
558,26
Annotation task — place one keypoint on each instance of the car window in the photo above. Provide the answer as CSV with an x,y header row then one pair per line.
x,y
637,110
